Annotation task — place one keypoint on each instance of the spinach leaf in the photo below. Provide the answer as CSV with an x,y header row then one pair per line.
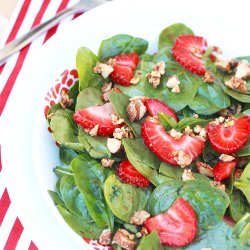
x,y
209,155
62,170
66,155
121,44
89,177
238,205
190,121
209,99
143,160
85,62
88,97
241,229
244,182
150,242
96,146
124,199
169,34
167,121
55,198
245,151
246,112
120,103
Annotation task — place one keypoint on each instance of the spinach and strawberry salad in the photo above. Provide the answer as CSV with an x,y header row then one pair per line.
x,y
155,148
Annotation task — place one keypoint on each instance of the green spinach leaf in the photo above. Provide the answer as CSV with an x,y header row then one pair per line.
x,y
150,242
191,122
245,151
66,155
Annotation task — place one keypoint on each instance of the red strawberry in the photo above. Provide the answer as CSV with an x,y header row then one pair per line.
x,y
177,227
229,139
155,106
222,170
97,115
127,173
188,51
124,67
164,146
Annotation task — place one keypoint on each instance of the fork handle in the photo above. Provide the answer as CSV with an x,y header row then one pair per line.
x,y
24,40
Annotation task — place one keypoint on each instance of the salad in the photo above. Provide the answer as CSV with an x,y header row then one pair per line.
x,y
155,148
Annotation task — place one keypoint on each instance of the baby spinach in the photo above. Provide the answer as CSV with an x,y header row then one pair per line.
x,y
167,121
85,62
168,35
244,182
121,44
124,199
245,151
241,230
66,155
209,155
150,242
62,170
89,177
191,122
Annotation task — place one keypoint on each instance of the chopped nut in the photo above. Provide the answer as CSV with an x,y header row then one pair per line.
x,y
123,132
140,98
176,89
135,80
182,158
139,217
114,145
175,134
188,131
106,87
144,231
93,131
160,67
209,77
154,78
197,129
226,158
105,96
195,115
217,121
116,120
107,163
122,239
65,101
202,132
105,237
187,175
243,70
138,235
218,185
223,65
204,169
172,81
136,110
228,122
236,83
206,248
104,69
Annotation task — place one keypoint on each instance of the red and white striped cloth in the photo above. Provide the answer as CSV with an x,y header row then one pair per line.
x,y
27,15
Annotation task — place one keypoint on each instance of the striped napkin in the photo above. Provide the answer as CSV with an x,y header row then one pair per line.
x,y
27,15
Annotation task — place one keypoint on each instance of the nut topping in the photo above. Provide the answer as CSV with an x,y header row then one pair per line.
x,y
107,163
65,101
236,83
122,238
114,145
187,175
139,217
226,158
209,77
243,70
182,158
204,169
175,134
104,69
105,237
173,83
136,110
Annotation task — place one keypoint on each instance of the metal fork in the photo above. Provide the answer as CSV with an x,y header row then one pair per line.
x,y
21,42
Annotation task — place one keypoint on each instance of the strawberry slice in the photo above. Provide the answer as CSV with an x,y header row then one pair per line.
x,y
177,227
124,67
155,106
127,173
164,146
188,51
228,140
222,170
97,115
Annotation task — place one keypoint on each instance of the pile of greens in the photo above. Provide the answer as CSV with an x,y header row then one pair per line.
x,y
91,198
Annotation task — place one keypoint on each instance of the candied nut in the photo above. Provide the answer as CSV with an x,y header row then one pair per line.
x,y
243,70
197,129
144,231
223,65
226,158
182,158
175,134
187,175
105,96
228,122
122,239
154,78
106,87
135,80
93,131
209,77
107,163
105,237
176,89
116,120
65,101
136,110
160,67
114,145
236,83
188,131
195,115
138,235
204,169
123,132
172,81
139,217
104,69
218,185
217,121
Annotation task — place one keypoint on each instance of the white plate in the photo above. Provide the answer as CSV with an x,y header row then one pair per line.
x,y
29,154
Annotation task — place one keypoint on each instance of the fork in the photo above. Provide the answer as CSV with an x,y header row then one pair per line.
x,y
21,42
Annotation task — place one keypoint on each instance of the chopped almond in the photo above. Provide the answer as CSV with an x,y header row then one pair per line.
x,y
209,77
114,145
136,110
160,67
243,70
105,237
182,158
173,82
116,120
93,131
187,175
135,80
107,163
188,130
139,217
236,83
226,158
104,69
175,134
154,78
122,238
65,101
204,169
218,185
106,87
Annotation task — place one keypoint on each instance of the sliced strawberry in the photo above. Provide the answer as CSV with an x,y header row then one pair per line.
x,y
229,139
122,75
124,67
222,170
98,115
188,51
127,173
176,227
155,106
129,60
164,146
